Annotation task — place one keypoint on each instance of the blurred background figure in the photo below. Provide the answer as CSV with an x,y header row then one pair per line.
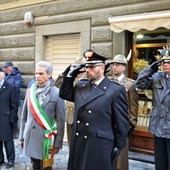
x,y
8,114
118,65
13,76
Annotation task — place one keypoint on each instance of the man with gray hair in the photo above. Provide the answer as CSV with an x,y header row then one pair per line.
x,y
42,119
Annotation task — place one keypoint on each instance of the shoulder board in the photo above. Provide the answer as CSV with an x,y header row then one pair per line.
x,y
83,80
128,79
115,82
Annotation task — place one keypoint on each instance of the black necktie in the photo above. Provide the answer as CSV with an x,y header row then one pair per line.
x,y
92,86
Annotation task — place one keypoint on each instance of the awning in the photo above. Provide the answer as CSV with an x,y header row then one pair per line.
x,y
133,23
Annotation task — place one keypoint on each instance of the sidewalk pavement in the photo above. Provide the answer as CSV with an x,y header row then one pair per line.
x,y
60,163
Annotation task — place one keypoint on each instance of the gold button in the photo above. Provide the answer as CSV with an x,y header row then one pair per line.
x,y
87,124
89,111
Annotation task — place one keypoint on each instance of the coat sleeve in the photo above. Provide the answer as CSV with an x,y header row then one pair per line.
x,y
67,89
60,114
13,105
23,118
120,117
144,79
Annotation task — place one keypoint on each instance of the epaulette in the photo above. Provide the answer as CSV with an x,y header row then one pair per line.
x,y
130,80
115,82
83,80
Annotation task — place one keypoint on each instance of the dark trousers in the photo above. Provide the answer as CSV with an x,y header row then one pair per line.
x,y
162,153
69,133
38,165
10,151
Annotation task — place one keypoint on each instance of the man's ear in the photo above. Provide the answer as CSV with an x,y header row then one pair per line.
x,y
49,75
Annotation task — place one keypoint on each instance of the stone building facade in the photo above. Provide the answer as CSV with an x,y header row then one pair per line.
x,y
26,45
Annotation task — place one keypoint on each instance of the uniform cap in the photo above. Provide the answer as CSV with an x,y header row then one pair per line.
x,y
119,59
165,53
7,64
93,58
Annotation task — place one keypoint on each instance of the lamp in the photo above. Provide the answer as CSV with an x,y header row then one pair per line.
x,y
28,19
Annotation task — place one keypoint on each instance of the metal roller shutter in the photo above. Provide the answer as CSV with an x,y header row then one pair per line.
x,y
62,50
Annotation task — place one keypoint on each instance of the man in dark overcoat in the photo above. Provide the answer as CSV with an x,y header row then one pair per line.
x,y
101,116
13,76
8,114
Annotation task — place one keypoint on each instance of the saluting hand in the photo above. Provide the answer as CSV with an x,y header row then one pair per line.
x,y
77,70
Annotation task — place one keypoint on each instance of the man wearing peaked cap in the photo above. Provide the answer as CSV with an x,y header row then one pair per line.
x,y
8,114
159,122
100,118
118,64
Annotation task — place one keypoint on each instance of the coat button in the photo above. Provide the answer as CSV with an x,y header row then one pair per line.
x,y
89,111
33,127
78,121
77,134
85,137
87,124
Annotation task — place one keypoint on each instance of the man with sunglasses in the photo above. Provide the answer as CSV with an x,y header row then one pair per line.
x,y
101,115
158,81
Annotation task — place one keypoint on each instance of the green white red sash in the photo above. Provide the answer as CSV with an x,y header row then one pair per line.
x,y
43,120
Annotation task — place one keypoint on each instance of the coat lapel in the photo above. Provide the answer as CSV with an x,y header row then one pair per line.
x,y
47,98
98,91
3,88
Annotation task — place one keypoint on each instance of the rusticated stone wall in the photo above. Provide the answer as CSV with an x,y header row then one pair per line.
x,y
17,42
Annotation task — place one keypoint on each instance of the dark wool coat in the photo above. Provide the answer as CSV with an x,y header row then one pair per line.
x,y
8,111
100,123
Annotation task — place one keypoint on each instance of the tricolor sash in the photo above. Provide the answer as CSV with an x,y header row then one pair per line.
x,y
43,120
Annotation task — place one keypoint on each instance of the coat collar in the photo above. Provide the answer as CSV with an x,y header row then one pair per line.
x,y
98,91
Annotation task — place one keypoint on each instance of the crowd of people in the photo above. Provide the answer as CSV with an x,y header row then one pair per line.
x,y
101,112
